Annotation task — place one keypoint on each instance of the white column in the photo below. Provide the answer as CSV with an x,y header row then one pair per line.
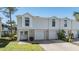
x,y
28,34
18,35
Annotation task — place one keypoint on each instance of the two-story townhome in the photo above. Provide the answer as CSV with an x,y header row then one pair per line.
x,y
43,28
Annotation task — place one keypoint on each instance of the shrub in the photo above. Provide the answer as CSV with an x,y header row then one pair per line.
x,y
61,35
70,37
5,38
13,38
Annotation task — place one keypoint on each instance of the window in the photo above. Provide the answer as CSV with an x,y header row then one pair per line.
x,y
53,22
26,21
65,23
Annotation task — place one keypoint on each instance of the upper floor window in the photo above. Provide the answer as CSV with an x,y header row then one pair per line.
x,y
53,22
26,21
65,23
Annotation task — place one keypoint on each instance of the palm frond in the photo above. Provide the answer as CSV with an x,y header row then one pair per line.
x,y
75,13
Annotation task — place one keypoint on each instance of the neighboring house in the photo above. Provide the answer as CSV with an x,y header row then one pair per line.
x,y
5,30
44,28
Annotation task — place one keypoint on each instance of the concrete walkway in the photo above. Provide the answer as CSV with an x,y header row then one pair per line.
x,y
58,45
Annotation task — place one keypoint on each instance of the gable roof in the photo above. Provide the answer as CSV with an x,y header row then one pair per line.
x,y
27,14
52,17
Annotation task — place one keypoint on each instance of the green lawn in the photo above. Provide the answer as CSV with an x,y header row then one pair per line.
x,y
15,46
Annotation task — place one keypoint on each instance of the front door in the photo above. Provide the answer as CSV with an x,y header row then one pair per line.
x,y
24,35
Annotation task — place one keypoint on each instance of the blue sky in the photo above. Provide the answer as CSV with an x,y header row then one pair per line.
x,y
45,11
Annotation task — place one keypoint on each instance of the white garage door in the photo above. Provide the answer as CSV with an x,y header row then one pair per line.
x,y
39,35
52,34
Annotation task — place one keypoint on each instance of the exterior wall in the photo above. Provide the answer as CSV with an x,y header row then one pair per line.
x,y
75,33
62,24
57,23
75,25
23,20
31,33
39,23
19,21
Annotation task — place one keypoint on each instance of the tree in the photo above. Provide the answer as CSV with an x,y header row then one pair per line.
x,y
13,26
8,11
76,15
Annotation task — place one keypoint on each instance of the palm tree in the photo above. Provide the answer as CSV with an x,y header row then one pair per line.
x,y
8,11
76,14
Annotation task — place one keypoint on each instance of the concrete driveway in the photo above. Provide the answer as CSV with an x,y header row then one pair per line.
x,y
76,41
58,45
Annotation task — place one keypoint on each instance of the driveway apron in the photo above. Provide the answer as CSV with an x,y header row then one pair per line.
x,y
58,45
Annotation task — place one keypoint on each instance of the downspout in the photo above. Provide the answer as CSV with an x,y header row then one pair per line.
x,y
48,29
71,25
59,24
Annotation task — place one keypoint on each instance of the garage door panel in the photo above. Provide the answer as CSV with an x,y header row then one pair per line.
x,y
39,35
52,34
